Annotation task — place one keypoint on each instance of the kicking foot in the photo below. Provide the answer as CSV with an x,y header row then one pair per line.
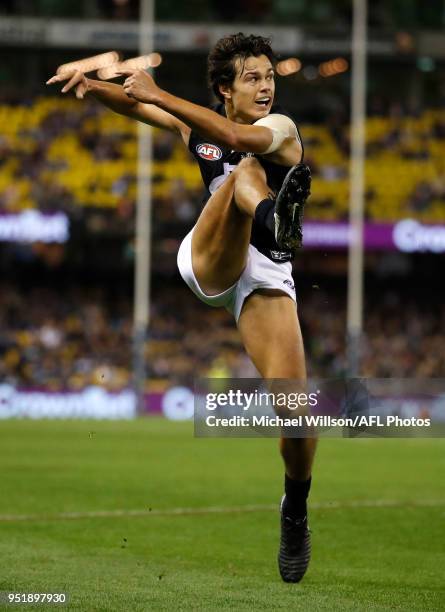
x,y
289,207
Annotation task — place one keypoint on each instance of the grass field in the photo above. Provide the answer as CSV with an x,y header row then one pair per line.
x,y
378,517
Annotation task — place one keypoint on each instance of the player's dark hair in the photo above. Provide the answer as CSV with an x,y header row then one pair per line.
x,y
221,61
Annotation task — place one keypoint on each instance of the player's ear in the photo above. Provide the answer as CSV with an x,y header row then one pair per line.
x,y
225,91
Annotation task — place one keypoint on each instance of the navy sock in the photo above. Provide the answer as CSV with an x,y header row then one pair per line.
x,y
295,502
264,214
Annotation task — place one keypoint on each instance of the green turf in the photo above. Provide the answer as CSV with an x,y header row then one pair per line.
x,y
365,558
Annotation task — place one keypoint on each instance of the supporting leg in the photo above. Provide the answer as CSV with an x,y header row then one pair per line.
x,y
271,333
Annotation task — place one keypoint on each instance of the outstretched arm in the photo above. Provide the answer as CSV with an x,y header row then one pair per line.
x,y
114,97
239,137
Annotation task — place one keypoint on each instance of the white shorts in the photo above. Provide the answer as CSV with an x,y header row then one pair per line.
x,y
260,273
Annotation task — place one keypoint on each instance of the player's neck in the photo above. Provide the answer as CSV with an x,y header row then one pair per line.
x,y
234,116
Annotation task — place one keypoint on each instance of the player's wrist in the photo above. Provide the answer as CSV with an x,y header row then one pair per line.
x,y
162,99
92,86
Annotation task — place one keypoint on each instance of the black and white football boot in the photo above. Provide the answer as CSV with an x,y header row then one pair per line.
x,y
289,207
295,547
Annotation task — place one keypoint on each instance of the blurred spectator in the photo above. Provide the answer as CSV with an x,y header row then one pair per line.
x,y
68,340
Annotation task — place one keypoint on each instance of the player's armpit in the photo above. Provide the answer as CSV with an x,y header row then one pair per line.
x,y
289,154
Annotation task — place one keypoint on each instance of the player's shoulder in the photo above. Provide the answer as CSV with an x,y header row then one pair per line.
x,y
277,109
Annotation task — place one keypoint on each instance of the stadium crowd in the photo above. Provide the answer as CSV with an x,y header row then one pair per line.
x,y
59,154
66,340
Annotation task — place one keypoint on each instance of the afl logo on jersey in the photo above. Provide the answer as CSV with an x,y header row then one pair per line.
x,y
209,151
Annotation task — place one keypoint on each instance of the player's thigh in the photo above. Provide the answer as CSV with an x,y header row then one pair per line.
x,y
271,334
220,221
220,241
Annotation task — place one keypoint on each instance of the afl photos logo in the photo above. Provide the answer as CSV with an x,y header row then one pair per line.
x,y
209,152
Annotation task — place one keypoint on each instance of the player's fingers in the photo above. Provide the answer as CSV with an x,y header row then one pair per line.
x,y
76,78
128,88
125,71
80,91
59,77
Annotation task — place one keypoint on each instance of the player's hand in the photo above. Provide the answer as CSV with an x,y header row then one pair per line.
x,y
140,86
75,79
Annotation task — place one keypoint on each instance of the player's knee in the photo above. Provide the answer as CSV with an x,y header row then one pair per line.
x,y
247,164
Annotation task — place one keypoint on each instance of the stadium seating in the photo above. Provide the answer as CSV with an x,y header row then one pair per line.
x,y
59,151
70,339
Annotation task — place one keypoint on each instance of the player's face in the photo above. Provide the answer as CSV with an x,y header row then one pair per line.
x,y
252,91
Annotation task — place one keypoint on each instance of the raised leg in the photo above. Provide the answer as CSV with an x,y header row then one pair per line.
x,y
222,233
